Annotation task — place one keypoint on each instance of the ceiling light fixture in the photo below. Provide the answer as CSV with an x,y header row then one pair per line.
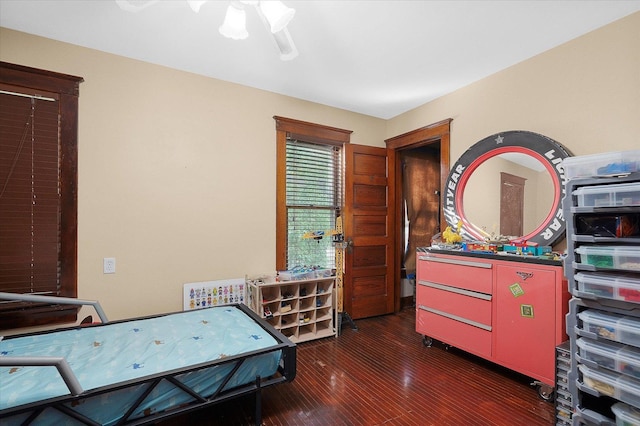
x,y
235,23
285,44
274,14
134,5
278,15
195,5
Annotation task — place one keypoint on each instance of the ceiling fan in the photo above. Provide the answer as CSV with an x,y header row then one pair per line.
x,y
274,14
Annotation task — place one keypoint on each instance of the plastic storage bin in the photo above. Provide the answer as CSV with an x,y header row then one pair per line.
x,y
611,326
624,194
599,354
612,384
609,286
611,226
601,381
626,415
610,257
323,273
605,164
296,275
610,355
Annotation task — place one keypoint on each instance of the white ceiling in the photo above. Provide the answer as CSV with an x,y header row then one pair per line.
x,y
379,58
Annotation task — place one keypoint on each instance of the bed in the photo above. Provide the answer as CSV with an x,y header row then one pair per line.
x,y
140,370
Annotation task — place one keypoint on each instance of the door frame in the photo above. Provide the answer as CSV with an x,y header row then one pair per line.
x,y
434,133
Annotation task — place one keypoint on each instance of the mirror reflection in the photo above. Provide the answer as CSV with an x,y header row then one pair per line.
x,y
510,194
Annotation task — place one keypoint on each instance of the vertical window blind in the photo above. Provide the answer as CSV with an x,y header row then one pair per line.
x,y
29,194
314,200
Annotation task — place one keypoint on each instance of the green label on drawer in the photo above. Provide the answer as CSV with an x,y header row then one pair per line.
x,y
526,311
516,290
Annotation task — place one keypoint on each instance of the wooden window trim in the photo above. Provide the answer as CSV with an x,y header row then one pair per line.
x,y
67,88
308,132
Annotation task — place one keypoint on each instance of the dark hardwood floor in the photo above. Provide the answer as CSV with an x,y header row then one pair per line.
x,y
382,374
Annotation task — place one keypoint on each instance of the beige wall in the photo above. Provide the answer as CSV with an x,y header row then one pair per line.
x,y
177,171
584,94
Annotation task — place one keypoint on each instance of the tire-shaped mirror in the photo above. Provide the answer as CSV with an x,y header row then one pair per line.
x,y
548,226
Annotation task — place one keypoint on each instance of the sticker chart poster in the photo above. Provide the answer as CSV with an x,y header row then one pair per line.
x,y
213,293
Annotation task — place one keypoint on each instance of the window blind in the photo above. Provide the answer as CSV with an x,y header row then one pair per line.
x,y
29,195
313,199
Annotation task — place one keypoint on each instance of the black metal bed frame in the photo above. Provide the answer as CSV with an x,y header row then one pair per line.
x,y
286,372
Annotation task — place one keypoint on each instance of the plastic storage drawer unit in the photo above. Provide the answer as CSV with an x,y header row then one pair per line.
x,y
621,225
619,287
603,164
603,382
625,194
613,356
611,326
610,257
626,415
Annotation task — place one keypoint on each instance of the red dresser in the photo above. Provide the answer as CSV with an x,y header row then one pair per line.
x,y
507,309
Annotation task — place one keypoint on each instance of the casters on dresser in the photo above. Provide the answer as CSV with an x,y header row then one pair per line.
x,y
545,392
427,341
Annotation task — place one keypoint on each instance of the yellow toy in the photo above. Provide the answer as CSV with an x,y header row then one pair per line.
x,y
451,236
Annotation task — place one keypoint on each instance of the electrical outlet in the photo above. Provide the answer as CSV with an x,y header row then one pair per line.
x,y
109,265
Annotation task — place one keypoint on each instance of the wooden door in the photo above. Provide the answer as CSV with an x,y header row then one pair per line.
x,y
511,204
369,227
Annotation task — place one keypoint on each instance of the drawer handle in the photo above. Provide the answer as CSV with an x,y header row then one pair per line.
x,y
455,317
456,262
524,275
456,290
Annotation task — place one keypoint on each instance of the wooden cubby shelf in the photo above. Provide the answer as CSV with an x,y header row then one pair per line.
x,y
302,310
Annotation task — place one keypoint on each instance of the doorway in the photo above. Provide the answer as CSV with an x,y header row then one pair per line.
x,y
420,199
422,167
511,204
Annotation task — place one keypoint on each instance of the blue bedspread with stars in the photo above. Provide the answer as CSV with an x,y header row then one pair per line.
x,y
113,353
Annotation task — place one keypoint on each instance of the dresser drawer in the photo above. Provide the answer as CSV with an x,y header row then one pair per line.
x,y
453,332
466,304
474,275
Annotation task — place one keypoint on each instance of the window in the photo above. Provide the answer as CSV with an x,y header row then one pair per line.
x,y
38,187
309,191
314,200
